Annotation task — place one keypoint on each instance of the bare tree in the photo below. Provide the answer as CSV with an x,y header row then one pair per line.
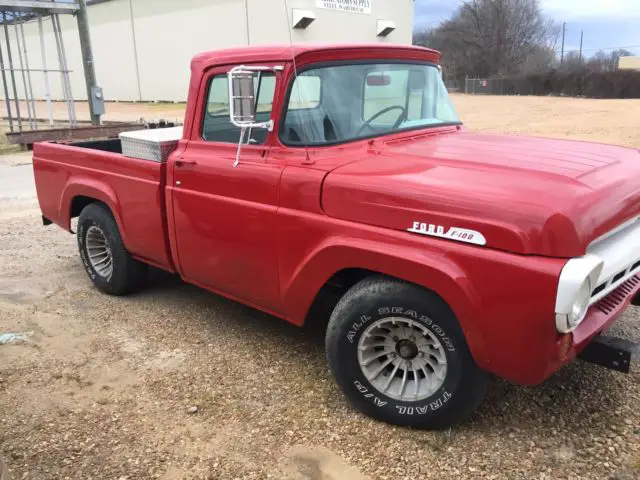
x,y
615,57
423,37
494,37
573,62
540,59
606,62
599,62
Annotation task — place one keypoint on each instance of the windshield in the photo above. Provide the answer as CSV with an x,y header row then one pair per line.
x,y
347,102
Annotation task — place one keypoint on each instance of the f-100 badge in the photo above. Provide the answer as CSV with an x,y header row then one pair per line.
x,y
454,233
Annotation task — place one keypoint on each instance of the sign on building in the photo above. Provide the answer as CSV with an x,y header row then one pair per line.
x,y
353,6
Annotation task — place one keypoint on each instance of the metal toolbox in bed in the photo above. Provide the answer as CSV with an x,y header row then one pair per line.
x,y
153,144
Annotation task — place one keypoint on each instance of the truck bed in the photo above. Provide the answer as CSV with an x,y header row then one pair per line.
x,y
67,176
113,145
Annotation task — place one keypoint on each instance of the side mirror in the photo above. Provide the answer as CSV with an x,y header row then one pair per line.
x,y
242,98
378,80
242,101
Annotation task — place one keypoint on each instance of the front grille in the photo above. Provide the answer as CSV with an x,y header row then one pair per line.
x,y
618,276
609,303
598,289
620,254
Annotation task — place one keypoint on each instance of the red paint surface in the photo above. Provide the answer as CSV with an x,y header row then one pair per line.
x,y
271,232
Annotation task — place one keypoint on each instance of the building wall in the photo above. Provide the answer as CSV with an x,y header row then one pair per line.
x,y
629,63
268,22
142,48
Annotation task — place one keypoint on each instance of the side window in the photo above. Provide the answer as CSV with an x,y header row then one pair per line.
x,y
389,89
267,85
385,90
418,86
305,92
216,126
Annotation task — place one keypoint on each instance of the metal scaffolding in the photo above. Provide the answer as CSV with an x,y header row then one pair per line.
x,y
13,15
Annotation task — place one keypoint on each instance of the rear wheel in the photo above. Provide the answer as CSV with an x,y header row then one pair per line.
x,y
399,354
109,265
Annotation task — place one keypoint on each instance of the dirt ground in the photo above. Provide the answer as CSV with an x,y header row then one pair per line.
x,y
607,121
102,387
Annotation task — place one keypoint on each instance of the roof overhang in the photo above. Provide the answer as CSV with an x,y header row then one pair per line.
x,y
19,11
35,6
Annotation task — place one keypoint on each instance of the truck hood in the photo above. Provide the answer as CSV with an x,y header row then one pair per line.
x,y
523,195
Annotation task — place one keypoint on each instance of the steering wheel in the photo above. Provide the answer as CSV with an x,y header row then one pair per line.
x,y
401,117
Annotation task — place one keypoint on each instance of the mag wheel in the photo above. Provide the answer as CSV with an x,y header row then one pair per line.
x,y
402,358
399,354
109,265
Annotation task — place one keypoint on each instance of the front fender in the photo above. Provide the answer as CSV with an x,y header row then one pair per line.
x,y
420,266
92,188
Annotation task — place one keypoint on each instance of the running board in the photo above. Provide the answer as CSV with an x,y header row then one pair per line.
x,y
610,352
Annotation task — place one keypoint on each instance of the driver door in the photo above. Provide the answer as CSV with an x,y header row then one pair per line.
x,y
225,217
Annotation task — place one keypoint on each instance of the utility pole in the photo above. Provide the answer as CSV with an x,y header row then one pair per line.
x,y
87,59
562,51
581,38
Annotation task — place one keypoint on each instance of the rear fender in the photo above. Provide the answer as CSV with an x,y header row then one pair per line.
x,y
436,273
92,188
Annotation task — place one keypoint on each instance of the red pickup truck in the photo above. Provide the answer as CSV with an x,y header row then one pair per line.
x,y
310,173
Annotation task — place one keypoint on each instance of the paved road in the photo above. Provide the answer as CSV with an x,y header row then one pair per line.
x,y
16,177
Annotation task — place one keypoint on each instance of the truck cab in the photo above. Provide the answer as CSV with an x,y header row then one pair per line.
x,y
308,173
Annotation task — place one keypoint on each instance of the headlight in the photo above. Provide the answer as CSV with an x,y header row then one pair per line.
x,y
581,304
574,291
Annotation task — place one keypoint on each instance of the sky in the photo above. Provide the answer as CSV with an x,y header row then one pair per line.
x,y
606,23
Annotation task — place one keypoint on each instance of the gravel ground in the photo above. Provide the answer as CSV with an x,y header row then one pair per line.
x,y
177,383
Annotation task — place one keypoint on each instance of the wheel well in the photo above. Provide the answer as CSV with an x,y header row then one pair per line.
x,y
78,203
334,289
330,294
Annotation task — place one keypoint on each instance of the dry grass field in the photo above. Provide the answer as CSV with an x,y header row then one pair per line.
x,y
607,121
176,383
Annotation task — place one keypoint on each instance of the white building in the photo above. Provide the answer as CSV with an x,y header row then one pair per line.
x,y
142,48
629,63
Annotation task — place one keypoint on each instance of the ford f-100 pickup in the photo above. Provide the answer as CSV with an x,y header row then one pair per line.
x,y
309,173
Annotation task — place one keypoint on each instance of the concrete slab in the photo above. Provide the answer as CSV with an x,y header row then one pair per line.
x,y
16,177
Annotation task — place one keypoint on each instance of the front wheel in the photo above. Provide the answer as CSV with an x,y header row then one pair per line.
x,y
109,265
399,354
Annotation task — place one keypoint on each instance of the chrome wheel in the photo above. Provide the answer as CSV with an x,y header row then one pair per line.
x,y
99,252
402,359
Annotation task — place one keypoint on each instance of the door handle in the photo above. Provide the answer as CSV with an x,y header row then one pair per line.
x,y
183,163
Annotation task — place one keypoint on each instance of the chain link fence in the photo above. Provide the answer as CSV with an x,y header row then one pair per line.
x,y
484,86
616,84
